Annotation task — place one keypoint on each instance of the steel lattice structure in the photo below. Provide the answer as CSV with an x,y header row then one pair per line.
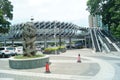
x,y
47,29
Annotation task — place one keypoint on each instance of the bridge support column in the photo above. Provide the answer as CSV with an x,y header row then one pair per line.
x,y
4,42
70,42
12,43
85,42
60,41
45,42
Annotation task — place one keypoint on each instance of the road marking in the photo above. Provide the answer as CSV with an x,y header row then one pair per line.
x,y
4,59
114,61
58,76
69,61
106,72
6,79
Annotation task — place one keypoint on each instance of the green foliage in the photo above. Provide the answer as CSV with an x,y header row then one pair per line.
x,y
117,32
94,6
26,57
51,49
61,47
110,12
6,14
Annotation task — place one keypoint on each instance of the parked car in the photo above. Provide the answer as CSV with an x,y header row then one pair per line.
x,y
79,45
19,50
7,51
38,48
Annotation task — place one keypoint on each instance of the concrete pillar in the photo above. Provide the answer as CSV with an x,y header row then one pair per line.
x,y
12,43
60,41
4,42
70,42
85,42
45,42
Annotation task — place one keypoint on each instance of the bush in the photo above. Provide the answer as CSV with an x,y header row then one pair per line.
x,y
53,49
26,57
62,49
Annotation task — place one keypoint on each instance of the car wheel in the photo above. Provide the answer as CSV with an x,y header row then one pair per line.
x,y
3,55
15,54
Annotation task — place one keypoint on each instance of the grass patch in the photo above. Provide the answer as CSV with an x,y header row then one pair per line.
x,y
25,57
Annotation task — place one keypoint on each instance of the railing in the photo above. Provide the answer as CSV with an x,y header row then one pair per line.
x,y
103,45
109,45
114,40
94,41
96,36
93,46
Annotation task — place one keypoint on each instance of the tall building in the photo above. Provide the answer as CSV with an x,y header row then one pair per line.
x,y
95,21
90,21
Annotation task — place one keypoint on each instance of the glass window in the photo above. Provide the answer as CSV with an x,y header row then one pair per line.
x,y
10,48
1,48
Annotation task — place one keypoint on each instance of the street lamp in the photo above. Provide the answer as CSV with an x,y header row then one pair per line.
x,y
45,40
55,35
32,19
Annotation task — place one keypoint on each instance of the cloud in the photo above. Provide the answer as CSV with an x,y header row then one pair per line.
x,y
49,10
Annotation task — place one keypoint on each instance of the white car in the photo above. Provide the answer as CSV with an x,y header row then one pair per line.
x,y
7,51
19,50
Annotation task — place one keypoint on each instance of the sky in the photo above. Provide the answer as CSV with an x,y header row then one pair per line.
x,y
73,11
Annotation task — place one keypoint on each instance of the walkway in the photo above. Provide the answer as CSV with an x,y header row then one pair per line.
x,y
64,67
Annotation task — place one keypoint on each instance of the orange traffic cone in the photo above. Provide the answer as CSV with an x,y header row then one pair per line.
x,y
47,67
79,59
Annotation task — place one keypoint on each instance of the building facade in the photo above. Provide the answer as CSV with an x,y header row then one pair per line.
x,y
95,21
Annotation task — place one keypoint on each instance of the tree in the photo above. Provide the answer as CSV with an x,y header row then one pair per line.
x,y
110,12
94,7
6,9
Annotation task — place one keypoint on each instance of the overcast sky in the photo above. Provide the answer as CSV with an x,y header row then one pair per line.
x,y
49,10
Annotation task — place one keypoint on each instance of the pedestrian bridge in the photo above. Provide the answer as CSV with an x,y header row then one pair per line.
x,y
97,39
50,29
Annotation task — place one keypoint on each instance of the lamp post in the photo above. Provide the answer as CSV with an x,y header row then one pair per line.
x,y
45,40
55,35
32,19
